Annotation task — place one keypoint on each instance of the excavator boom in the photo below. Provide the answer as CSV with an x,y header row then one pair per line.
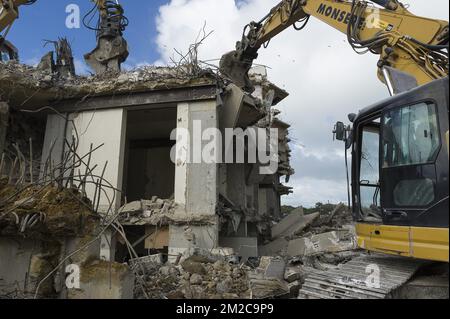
x,y
111,49
410,47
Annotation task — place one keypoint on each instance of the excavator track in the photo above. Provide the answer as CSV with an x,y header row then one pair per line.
x,y
350,280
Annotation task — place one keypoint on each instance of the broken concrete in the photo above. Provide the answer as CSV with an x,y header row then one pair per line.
x,y
277,247
196,278
268,288
294,223
272,267
244,247
336,241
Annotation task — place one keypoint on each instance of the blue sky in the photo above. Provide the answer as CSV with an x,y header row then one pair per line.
x,y
46,20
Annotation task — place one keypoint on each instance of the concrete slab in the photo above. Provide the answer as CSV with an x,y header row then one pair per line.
x,y
245,247
277,247
294,223
336,241
273,267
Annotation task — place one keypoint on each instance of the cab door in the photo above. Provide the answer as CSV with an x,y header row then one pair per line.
x,y
414,160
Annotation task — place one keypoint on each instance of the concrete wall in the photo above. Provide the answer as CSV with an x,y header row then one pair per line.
x,y
97,127
196,184
106,127
15,258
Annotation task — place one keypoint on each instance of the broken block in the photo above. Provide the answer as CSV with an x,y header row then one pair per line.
x,y
294,223
277,247
294,274
323,243
272,267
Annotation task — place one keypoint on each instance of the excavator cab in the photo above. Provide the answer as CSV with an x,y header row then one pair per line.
x,y
8,51
400,173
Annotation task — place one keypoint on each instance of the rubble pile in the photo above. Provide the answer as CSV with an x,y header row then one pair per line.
x,y
312,242
148,212
42,85
159,212
203,276
42,211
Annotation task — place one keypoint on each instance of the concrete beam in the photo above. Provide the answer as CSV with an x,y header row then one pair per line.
x,y
137,100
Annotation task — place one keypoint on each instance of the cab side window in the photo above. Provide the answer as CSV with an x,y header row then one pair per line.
x,y
410,135
411,138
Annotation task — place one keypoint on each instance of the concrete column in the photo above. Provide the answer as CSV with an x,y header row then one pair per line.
x,y
181,162
236,189
196,184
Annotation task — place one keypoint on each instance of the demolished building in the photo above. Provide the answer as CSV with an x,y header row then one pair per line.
x,y
87,176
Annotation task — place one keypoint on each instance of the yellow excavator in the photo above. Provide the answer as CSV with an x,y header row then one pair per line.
x,y
111,50
400,146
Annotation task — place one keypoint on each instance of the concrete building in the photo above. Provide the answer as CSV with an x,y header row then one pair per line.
x,y
124,123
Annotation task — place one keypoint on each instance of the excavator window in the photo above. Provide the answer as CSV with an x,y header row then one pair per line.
x,y
369,181
410,135
411,139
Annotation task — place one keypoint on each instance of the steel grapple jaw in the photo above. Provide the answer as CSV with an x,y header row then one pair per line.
x,y
235,68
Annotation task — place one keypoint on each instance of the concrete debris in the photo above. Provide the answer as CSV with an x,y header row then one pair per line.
x,y
45,85
295,273
278,247
42,212
147,262
268,288
195,279
148,212
272,267
293,224
244,247
159,212
336,241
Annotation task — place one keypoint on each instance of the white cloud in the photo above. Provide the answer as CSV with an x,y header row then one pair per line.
x,y
81,67
32,61
306,192
325,78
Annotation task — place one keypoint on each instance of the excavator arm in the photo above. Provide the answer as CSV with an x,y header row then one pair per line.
x,y
9,12
111,49
411,48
